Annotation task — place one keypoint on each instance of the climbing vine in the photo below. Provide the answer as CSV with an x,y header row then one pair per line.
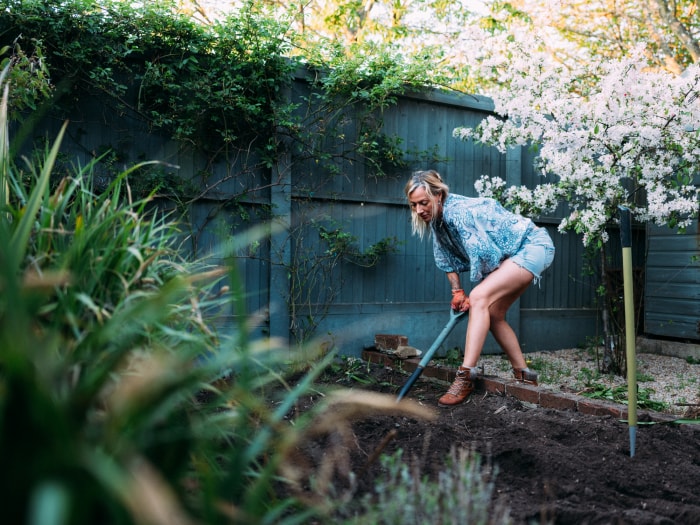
x,y
221,90
315,282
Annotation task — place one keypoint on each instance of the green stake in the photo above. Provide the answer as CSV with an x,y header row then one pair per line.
x,y
626,237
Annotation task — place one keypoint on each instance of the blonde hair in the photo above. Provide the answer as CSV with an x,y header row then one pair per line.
x,y
433,185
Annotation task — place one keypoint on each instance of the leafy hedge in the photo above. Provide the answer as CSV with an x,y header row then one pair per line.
x,y
204,85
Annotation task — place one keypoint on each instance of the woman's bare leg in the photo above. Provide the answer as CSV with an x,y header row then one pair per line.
x,y
508,341
489,302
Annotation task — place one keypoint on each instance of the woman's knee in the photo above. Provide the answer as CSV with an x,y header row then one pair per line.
x,y
479,299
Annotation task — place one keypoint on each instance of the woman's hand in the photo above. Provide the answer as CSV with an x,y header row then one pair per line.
x,y
460,301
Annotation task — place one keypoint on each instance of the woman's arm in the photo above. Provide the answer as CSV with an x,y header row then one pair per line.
x,y
453,278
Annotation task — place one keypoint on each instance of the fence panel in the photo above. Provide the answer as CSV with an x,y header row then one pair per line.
x,y
347,300
405,293
672,288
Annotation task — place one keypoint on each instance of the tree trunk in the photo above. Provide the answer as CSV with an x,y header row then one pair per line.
x,y
609,363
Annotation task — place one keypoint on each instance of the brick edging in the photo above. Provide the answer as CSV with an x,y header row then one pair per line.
x,y
536,395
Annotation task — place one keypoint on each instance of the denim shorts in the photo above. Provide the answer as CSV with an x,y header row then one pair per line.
x,y
536,253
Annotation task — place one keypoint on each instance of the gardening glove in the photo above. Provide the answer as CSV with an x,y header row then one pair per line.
x,y
460,301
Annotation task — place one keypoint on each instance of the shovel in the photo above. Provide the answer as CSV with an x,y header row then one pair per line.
x,y
454,318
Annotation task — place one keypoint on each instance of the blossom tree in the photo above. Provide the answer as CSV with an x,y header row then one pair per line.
x,y
616,133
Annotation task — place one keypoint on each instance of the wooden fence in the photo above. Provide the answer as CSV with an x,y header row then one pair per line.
x,y
345,301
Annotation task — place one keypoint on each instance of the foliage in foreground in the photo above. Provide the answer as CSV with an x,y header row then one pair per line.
x,y
119,400
101,338
105,355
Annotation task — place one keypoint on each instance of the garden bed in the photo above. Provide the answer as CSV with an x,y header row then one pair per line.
x,y
552,465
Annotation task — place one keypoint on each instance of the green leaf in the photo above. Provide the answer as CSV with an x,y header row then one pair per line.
x,y
49,505
20,237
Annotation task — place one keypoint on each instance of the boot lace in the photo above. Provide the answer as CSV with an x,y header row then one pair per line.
x,y
460,384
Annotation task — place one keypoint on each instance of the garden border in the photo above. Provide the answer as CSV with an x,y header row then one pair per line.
x,y
536,395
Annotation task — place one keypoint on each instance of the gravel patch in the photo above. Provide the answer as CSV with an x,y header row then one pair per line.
x,y
673,381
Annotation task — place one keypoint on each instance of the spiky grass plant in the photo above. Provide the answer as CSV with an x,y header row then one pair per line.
x,y
104,358
119,400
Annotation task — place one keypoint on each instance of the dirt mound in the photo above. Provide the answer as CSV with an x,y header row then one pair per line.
x,y
553,466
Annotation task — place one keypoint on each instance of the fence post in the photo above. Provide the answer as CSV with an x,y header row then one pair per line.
x,y
280,241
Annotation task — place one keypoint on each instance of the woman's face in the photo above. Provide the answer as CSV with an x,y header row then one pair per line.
x,y
423,204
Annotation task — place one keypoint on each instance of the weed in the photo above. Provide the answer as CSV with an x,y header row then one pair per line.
x,y
452,358
645,378
587,376
403,495
504,364
685,381
618,394
548,371
353,370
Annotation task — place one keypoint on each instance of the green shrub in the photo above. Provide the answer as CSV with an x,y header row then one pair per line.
x,y
206,86
462,494
119,401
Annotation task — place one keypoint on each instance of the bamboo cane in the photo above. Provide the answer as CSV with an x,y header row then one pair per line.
x,y
626,238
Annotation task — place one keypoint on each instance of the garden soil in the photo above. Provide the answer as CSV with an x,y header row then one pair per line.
x,y
552,466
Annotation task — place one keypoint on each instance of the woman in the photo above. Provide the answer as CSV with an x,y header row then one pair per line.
x,y
503,253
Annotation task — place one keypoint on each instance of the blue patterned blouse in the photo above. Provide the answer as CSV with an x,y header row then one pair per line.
x,y
475,235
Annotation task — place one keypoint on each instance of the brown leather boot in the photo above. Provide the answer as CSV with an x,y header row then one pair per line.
x,y
462,386
525,375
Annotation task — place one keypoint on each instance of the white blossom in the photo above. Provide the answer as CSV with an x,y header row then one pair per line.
x,y
635,132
